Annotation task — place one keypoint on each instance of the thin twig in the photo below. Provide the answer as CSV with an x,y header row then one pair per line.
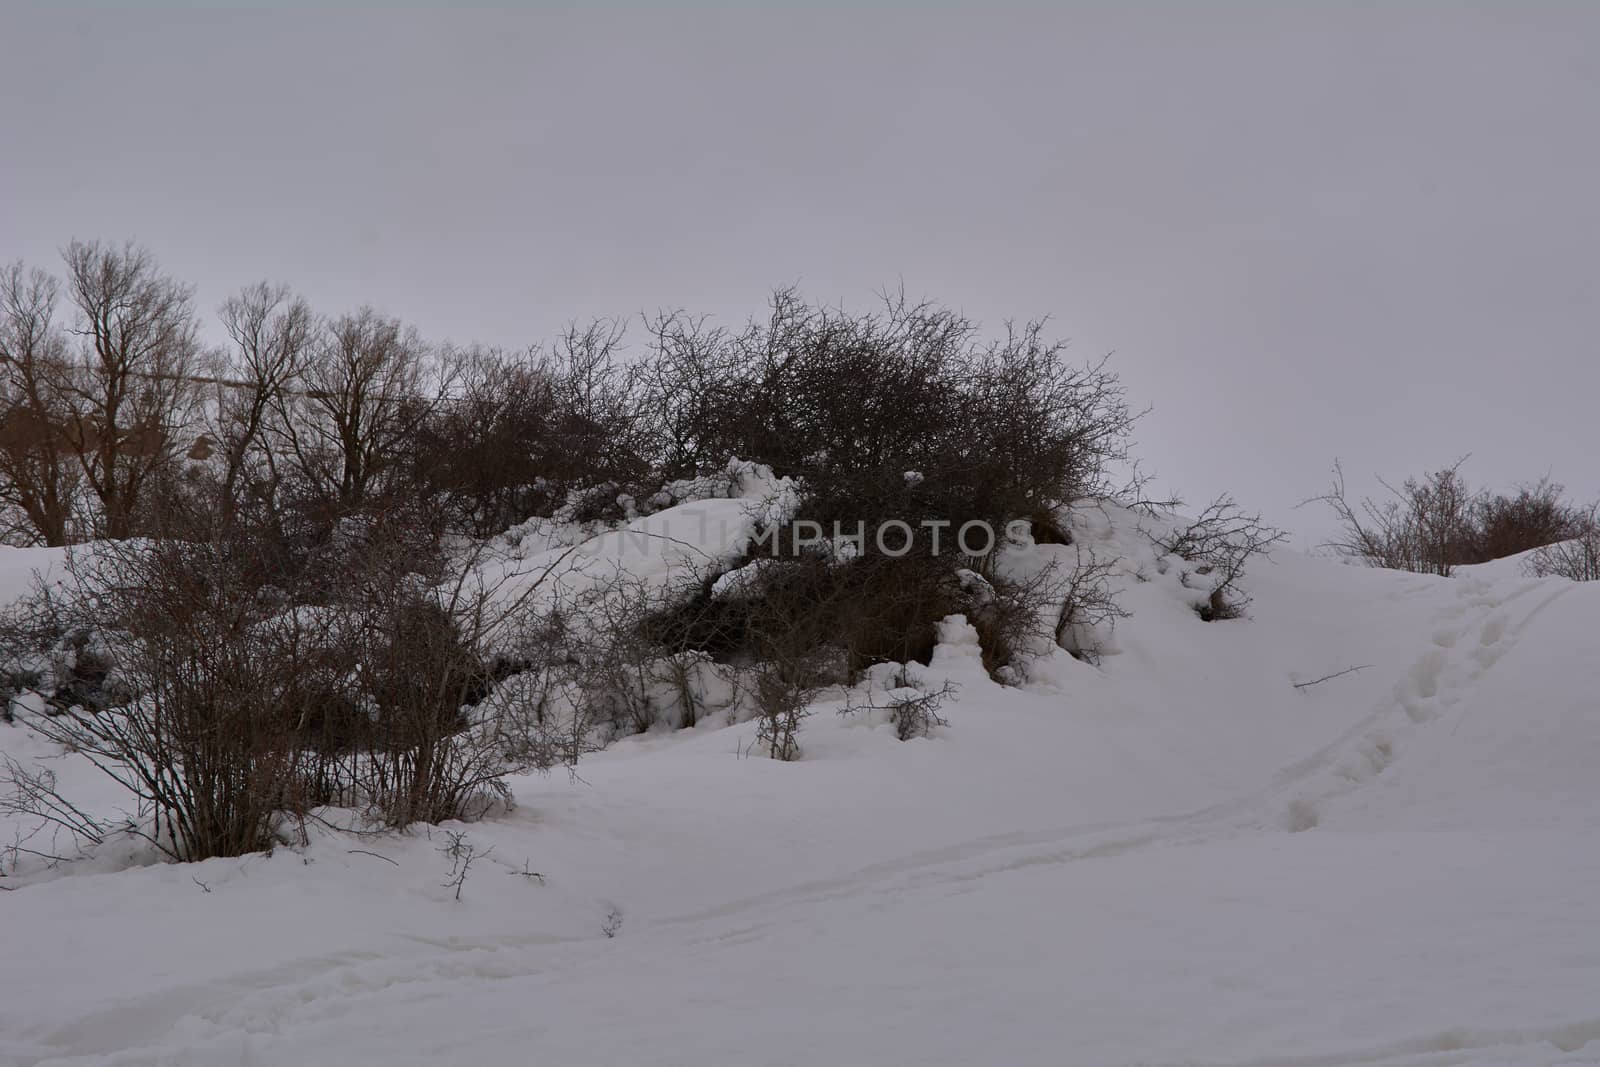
x,y
374,855
1330,677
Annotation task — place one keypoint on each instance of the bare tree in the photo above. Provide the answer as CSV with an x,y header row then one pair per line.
x,y
131,389
365,395
39,474
271,330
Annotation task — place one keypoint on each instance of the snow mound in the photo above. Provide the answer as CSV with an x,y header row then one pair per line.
x,y
1357,826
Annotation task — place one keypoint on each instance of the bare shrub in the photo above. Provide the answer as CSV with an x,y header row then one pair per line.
x,y
202,743
683,384
523,433
1088,607
421,674
1220,543
231,696
910,708
600,437
486,450
1424,526
784,690
794,659
840,617
1433,524
1534,515
53,828
624,667
993,430
1577,557
1014,617
904,415
461,854
843,616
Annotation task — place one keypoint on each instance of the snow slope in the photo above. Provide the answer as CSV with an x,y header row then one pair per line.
x,y
1177,857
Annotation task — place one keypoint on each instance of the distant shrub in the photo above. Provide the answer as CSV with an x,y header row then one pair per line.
x,y
1577,557
1533,516
1435,523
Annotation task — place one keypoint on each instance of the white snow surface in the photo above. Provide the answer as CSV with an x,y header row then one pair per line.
x,y
1174,857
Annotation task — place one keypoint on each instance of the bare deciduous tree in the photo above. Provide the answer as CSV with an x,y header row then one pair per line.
x,y
130,389
366,391
271,330
39,474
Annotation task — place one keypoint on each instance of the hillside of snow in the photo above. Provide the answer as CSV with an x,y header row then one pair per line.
x,y
1192,852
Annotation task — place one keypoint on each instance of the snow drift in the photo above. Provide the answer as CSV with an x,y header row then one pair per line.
x,y
1220,845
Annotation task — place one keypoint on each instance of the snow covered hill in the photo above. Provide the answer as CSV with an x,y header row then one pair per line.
x,y
1192,853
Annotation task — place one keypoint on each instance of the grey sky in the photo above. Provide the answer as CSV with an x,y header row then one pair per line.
x,y
1369,232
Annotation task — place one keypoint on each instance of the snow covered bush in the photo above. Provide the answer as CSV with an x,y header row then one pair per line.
x,y
301,559
863,611
202,737
230,698
841,616
907,416
1219,544
1088,606
784,701
910,708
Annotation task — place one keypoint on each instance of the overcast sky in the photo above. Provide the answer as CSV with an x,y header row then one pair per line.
x,y
1370,232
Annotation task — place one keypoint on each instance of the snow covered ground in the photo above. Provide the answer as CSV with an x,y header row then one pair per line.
x,y
1176,857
